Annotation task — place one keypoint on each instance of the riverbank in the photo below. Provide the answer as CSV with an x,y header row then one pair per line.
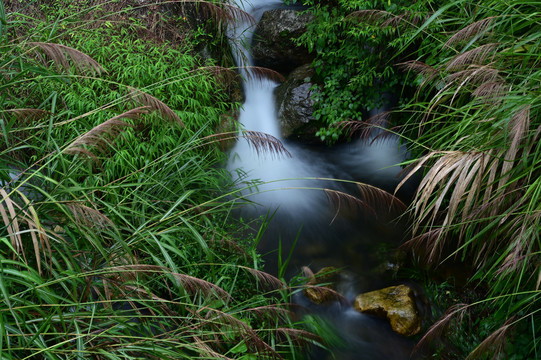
x,y
466,80
116,238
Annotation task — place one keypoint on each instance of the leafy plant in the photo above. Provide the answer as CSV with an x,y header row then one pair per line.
x,y
116,231
476,123
355,43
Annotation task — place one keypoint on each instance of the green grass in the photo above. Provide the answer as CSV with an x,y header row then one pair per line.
x,y
476,130
116,236
473,128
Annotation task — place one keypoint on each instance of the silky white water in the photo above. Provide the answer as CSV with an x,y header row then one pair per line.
x,y
291,189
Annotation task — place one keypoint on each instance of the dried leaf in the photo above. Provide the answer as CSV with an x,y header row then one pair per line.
x,y
11,222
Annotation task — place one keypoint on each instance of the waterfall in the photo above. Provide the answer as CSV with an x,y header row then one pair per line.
x,y
277,175
291,189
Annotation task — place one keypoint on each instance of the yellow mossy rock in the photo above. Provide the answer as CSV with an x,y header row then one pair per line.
x,y
396,303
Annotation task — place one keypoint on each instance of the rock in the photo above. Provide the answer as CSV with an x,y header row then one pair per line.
x,y
397,304
295,107
322,294
389,267
273,43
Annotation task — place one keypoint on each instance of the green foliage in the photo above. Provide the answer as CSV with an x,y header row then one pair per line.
x,y
116,239
473,131
476,128
354,58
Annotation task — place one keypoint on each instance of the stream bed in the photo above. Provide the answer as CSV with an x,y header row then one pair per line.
x,y
299,195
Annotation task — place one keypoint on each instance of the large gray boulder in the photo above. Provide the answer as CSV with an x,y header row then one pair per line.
x,y
273,44
295,107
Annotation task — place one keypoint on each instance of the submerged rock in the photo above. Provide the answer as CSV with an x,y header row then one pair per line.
x,y
273,44
295,107
325,293
396,303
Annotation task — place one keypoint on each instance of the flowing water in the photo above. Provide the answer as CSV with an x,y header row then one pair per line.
x,y
326,233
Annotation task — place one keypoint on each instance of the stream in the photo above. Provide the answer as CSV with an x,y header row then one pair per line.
x,y
289,191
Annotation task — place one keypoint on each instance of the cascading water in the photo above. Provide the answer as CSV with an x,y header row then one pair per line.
x,y
291,189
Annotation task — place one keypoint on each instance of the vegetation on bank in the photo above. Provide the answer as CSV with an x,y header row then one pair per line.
x,y
467,75
116,237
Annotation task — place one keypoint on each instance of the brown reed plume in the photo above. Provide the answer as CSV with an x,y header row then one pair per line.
x,y
88,216
98,138
142,98
475,29
66,58
20,217
384,18
220,320
371,199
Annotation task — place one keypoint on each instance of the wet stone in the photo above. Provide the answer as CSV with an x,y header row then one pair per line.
x,y
324,293
395,303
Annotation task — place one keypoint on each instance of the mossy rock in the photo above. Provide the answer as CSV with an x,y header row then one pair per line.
x,y
395,303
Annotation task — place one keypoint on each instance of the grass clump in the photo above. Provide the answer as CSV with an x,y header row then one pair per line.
x,y
473,128
115,236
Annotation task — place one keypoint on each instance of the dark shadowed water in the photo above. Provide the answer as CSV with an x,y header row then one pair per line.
x,y
326,230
